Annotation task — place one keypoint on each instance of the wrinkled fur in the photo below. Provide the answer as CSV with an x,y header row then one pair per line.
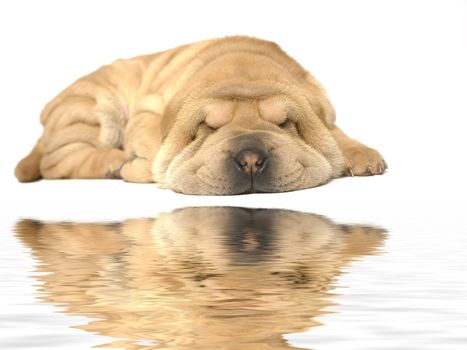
x,y
174,117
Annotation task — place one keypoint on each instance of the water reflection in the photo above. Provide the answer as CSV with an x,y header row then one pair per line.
x,y
196,278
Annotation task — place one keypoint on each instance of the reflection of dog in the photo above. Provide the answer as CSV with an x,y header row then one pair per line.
x,y
197,278
223,116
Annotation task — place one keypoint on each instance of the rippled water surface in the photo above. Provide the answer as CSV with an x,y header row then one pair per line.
x,y
234,278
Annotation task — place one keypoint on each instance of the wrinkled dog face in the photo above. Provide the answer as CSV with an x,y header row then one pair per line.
x,y
234,146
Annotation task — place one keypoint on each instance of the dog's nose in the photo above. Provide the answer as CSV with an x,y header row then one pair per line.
x,y
251,161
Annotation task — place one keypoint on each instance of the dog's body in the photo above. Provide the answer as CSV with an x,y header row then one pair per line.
x,y
222,116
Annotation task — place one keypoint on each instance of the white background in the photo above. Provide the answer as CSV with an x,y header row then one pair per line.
x,y
396,72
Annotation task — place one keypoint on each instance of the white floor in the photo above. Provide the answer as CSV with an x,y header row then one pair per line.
x,y
411,296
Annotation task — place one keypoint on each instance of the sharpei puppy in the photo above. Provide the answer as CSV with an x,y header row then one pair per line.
x,y
223,116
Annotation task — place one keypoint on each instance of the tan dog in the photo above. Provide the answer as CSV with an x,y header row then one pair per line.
x,y
224,116
197,278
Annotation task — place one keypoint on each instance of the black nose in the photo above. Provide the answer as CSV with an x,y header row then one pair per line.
x,y
251,161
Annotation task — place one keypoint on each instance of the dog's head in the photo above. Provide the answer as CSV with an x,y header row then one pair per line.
x,y
239,139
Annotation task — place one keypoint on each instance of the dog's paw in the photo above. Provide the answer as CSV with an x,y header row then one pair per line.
x,y
136,170
363,161
114,161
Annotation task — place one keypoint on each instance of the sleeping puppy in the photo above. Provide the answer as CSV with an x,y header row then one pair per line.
x,y
223,116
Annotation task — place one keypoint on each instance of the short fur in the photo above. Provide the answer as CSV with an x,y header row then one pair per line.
x,y
179,116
